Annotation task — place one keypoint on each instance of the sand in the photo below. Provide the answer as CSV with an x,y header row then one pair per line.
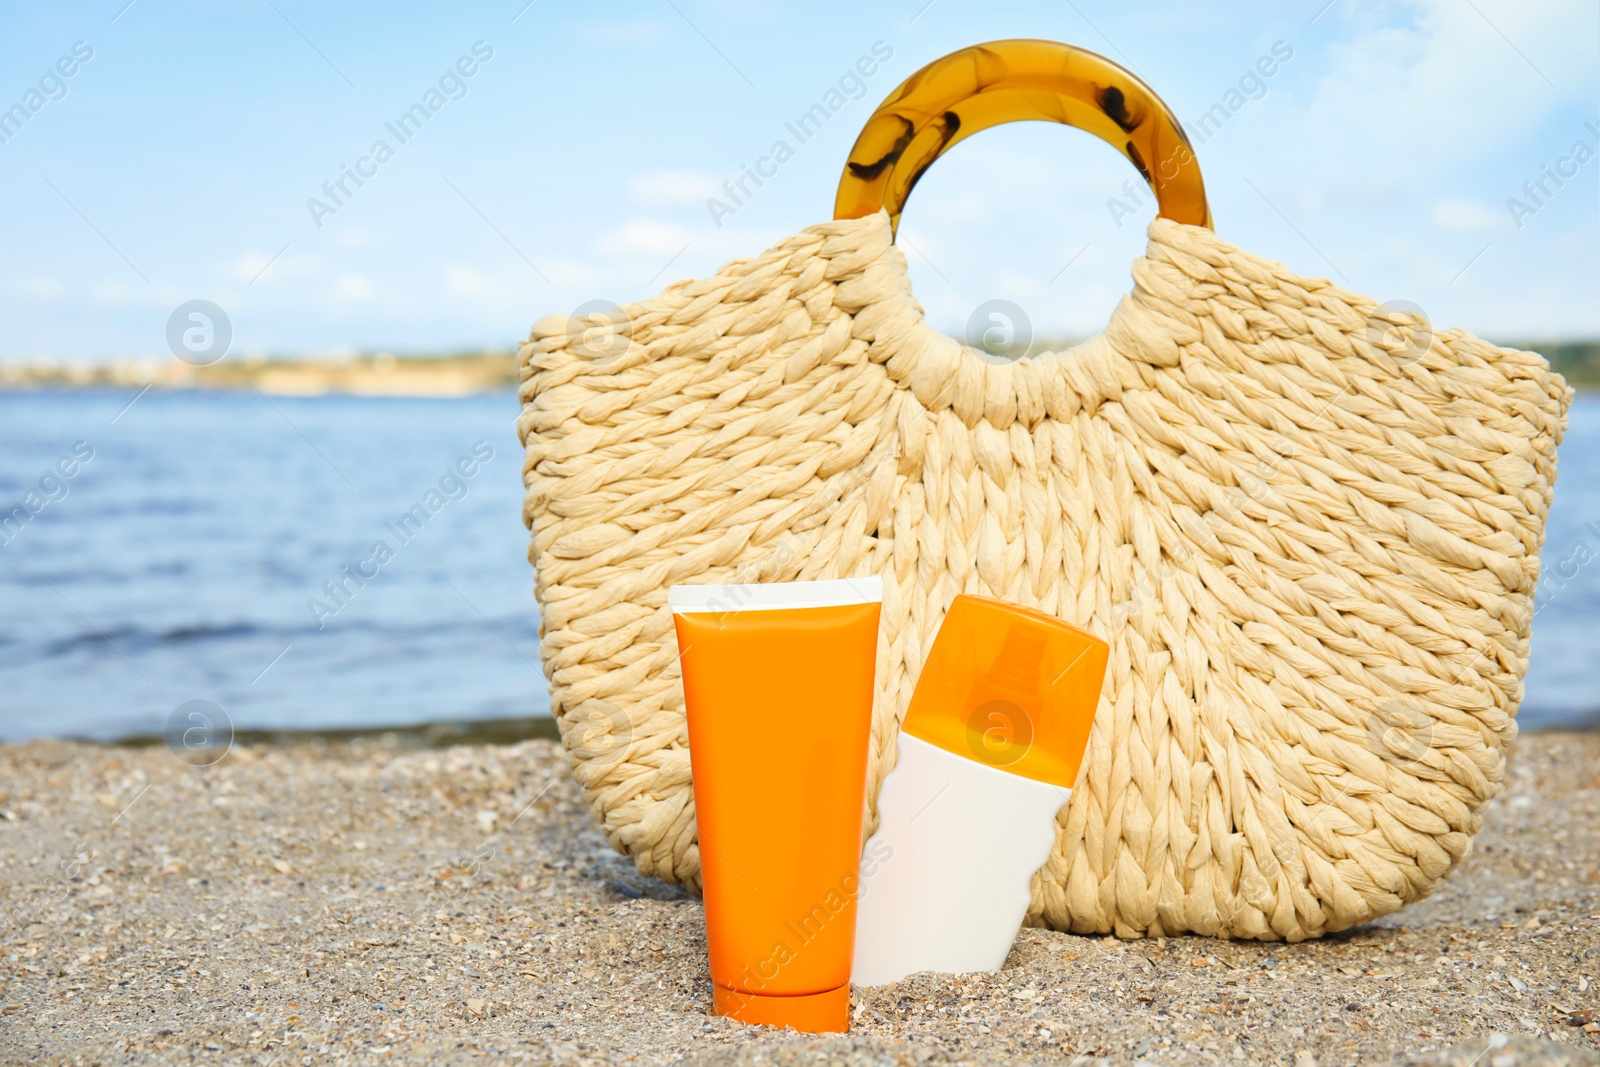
x,y
357,902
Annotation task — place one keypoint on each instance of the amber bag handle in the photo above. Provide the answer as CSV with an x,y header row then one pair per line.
x,y
986,85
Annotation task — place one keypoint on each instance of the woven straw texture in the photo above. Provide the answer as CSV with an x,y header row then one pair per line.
x,y
1308,527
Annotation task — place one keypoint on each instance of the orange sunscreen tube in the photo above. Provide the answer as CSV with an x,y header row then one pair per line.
x,y
778,686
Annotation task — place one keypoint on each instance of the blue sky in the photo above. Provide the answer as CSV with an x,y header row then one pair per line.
x,y
575,161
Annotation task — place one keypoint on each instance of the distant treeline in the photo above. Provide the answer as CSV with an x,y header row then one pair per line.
x,y
1578,361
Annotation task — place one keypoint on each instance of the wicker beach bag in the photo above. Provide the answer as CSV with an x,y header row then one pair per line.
x,y
1308,525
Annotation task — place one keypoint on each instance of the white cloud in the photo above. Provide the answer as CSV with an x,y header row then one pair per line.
x,y
673,188
511,289
119,292
351,237
1014,285
248,266
353,286
1458,215
464,281
569,272
39,287
260,268
646,237
1404,106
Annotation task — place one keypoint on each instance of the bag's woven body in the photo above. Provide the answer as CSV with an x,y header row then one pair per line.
x,y
1313,557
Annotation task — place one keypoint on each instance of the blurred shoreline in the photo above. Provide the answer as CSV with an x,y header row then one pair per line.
x,y
498,732
511,731
381,375
385,374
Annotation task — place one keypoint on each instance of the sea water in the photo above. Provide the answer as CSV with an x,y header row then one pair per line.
x,y
338,562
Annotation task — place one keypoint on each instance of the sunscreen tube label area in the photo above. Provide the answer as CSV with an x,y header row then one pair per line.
x,y
931,905
778,683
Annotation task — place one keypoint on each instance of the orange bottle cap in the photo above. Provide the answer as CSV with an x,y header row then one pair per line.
x,y
1010,687
827,1012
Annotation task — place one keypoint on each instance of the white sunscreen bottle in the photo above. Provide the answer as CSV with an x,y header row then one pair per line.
x,y
989,751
